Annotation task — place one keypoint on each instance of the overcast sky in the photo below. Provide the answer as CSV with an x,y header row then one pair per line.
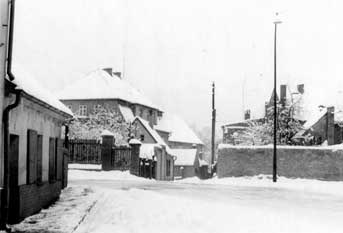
x,y
173,49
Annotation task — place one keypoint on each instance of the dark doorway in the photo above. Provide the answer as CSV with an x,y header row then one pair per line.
x,y
13,179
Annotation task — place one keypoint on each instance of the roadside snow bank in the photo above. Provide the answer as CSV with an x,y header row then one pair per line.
x,y
81,166
103,175
306,185
65,215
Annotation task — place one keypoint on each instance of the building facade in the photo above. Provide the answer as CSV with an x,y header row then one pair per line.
x,y
37,160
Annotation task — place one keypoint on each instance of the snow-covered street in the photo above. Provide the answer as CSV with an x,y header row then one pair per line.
x,y
119,202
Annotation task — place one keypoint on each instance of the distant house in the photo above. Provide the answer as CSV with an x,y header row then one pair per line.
x,y
106,88
37,171
184,143
321,123
155,150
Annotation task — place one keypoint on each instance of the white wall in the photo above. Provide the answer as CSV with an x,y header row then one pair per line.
x,y
29,115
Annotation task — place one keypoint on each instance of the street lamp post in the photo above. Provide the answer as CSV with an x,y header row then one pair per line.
x,y
275,108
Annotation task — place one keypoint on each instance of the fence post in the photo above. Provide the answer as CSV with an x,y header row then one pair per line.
x,y
135,150
106,149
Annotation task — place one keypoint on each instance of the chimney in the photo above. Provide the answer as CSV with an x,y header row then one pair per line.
x,y
283,95
331,125
118,74
247,115
301,89
108,70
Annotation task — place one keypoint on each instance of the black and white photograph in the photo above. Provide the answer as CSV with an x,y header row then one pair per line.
x,y
171,116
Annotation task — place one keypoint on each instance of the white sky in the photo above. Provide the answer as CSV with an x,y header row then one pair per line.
x,y
174,49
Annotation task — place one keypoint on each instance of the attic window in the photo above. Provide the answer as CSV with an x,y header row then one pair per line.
x,y
142,137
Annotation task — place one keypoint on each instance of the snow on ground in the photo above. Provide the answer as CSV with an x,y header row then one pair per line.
x,y
239,205
307,185
64,215
104,175
81,166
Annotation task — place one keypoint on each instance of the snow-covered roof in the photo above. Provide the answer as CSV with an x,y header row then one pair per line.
x,y
184,157
315,117
151,131
154,135
99,84
127,113
180,131
32,87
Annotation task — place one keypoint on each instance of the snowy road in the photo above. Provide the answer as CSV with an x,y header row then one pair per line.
x,y
139,206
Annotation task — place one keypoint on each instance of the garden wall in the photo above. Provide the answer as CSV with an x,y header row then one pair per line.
x,y
323,163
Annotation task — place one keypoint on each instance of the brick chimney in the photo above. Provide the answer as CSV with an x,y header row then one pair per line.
x,y
301,89
330,125
283,95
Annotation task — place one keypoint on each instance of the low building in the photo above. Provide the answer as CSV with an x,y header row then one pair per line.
x,y
154,151
37,170
188,163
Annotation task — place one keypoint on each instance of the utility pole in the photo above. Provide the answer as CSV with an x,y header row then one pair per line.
x,y
275,107
213,126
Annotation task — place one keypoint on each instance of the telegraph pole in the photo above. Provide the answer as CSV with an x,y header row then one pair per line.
x,y
275,108
213,126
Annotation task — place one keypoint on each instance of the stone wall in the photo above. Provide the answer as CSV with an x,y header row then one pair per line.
x,y
295,162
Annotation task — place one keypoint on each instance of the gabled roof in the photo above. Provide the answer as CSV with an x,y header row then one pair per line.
x,y
151,131
26,82
153,134
180,131
99,84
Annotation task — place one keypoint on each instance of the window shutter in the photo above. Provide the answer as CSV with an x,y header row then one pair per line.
x,y
39,157
59,165
51,159
31,156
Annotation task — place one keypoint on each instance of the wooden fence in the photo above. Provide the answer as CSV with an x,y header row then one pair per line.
x,y
84,151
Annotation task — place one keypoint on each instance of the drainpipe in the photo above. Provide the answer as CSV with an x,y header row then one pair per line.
x,y
6,112
5,193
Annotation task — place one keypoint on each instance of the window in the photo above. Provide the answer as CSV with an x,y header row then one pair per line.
x,y
141,111
142,137
150,112
168,167
97,108
83,110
